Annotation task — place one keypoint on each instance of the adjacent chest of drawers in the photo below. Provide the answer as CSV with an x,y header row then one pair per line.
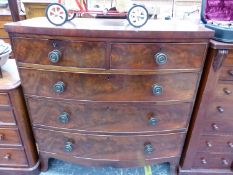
x,y
102,93
18,153
210,147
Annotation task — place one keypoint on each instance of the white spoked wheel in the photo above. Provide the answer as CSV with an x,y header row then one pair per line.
x,y
56,14
138,16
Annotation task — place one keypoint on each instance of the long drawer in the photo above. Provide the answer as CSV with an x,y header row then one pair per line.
x,y
229,60
109,117
7,116
157,55
110,147
213,161
10,157
104,87
71,53
216,144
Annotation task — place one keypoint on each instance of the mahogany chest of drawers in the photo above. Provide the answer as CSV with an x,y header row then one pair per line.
x,y
18,153
102,93
209,149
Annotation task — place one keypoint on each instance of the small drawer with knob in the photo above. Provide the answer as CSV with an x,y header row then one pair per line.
x,y
7,117
216,144
226,73
105,87
204,160
81,54
9,137
152,56
111,147
109,117
13,157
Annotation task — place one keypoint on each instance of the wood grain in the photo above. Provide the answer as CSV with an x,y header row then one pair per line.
x,y
10,137
176,87
7,116
141,56
109,117
4,99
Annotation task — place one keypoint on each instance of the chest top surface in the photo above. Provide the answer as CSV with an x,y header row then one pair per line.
x,y
10,76
109,28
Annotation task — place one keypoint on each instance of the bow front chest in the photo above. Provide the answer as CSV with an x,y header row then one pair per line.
x,y
102,93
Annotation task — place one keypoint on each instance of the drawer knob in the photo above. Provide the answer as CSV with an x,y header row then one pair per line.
x,y
148,148
225,162
1,137
7,156
160,58
54,56
59,87
220,109
215,126
227,91
68,146
152,121
64,117
157,89
203,161
230,144
230,72
209,144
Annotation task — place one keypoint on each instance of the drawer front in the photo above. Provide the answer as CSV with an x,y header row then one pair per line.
x,y
123,148
229,60
224,92
4,99
109,117
226,74
13,157
103,87
72,53
157,56
216,144
213,161
6,116
9,137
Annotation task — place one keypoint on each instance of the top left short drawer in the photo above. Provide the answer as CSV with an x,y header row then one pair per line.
x,y
81,54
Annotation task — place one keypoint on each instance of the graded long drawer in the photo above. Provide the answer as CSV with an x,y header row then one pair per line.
x,y
7,116
4,99
9,137
110,147
104,87
109,117
157,55
72,53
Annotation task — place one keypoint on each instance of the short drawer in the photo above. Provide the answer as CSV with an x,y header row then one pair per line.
x,y
6,116
226,74
212,161
63,53
13,157
224,92
109,117
157,56
104,87
108,147
9,137
229,60
216,144
4,99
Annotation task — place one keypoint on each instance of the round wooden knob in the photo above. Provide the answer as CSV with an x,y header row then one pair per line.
x,y
54,56
209,144
230,144
215,126
59,87
227,91
203,161
7,156
225,162
230,72
160,58
157,89
220,109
